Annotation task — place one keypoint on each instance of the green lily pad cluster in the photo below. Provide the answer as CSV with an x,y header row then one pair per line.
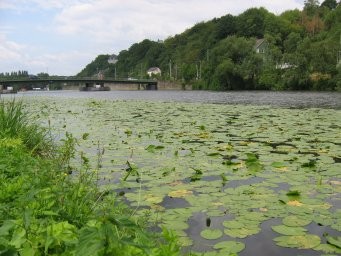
x,y
240,165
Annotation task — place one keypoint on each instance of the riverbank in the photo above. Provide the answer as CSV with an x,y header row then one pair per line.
x,y
49,205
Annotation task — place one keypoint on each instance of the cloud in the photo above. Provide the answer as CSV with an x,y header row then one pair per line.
x,y
9,50
134,20
14,56
65,35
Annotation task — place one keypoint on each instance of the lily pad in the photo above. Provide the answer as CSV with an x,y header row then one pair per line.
x,y
230,246
296,221
336,241
211,234
289,231
327,248
180,193
242,232
300,242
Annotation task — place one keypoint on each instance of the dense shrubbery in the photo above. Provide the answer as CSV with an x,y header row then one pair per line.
x,y
47,209
302,52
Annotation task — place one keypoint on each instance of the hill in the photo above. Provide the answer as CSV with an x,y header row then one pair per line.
x,y
296,50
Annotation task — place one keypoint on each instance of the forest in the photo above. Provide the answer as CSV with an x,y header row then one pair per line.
x,y
256,50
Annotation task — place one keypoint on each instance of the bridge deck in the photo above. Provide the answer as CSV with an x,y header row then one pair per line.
x,y
79,80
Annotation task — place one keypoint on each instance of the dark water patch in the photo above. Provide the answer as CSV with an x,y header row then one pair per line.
x,y
321,231
193,142
337,159
279,152
281,187
195,178
335,202
173,202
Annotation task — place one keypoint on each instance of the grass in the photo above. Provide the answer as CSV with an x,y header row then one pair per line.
x,y
46,211
16,123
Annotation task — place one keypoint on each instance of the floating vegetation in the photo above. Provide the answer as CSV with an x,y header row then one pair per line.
x,y
236,166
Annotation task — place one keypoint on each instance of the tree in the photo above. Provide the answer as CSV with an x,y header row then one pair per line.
x,y
331,4
225,26
311,7
251,22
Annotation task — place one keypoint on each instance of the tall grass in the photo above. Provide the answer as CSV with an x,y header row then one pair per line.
x,y
15,122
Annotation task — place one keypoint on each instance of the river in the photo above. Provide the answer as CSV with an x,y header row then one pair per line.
x,y
233,163
289,99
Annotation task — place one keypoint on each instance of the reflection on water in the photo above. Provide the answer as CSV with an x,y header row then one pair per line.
x,y
283,99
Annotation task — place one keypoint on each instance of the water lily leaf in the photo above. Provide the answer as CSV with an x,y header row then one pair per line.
x,y
233,224
153,148
295,221
294,203
211,234
185,241
279,164
175,224
180,193
336,241
230,246
153,199
327,248
289,231
300,242
242,232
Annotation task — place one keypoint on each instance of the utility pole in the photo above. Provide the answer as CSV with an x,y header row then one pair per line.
x,y
338,61
176,72
170,69
200,69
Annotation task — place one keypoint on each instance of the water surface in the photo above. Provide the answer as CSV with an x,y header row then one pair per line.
x,y
291,99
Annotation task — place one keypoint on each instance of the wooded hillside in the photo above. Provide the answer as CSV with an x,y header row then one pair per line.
x,y
301,51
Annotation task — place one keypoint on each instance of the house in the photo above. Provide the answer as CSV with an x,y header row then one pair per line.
x,y
113,59
154,71
261,46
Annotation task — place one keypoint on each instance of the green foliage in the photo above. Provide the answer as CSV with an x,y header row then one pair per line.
x,y
300,53
15,123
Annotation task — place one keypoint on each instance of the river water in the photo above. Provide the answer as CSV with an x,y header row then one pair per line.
x,y
262,243
291,99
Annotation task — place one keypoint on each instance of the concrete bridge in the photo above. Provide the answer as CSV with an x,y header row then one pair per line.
x,y
145,84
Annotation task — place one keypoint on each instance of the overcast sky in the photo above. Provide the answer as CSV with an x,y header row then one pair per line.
x,y
62,36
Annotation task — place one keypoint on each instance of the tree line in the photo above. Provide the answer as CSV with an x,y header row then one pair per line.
x,y
301,51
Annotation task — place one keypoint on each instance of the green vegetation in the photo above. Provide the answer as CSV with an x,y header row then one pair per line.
x,y
49,208
301,52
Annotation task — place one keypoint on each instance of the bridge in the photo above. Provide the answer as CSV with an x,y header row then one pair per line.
x,y
147,84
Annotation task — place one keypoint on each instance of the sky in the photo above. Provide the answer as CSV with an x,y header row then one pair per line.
x,y
61,37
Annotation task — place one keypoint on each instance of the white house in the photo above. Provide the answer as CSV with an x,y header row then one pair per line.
x,y
113,59
154,71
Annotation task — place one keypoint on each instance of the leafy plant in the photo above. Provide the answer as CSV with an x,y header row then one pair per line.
x,y
16,123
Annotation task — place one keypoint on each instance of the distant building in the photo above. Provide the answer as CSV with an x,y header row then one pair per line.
x,y
113,59
285,66
154,71
261,45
